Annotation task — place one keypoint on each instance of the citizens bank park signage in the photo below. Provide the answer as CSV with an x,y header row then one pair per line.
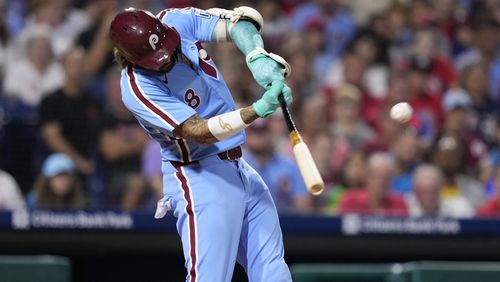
x,y
292,225
358,225
39,219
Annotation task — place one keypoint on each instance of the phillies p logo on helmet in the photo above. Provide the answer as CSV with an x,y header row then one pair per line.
x,y
153,39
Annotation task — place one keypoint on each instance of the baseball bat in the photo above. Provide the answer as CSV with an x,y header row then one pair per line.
x,y
307,166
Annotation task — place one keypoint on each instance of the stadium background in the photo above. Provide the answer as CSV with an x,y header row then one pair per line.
x,y
425,190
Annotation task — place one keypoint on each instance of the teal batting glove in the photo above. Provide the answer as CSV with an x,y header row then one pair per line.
x,y
265,70
269,102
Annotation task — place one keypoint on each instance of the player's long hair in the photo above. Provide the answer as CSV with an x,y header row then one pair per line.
x,y
120,59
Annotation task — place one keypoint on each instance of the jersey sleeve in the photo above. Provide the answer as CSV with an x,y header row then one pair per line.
x,y
154,105
193,23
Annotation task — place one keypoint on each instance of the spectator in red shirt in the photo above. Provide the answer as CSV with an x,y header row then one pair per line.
x,y
347,124
426,47
375,198
492,206
426,105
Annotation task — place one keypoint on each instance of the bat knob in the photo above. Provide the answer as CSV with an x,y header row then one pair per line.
x,y
317,189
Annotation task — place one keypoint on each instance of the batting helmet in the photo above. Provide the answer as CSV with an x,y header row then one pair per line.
x,y
143,39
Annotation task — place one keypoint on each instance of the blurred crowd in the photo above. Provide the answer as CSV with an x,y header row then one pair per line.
x,y
68,142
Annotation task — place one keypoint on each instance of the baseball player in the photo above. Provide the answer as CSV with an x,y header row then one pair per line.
x,y
224,210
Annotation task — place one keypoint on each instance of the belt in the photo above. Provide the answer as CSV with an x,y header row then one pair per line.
x,y
230,155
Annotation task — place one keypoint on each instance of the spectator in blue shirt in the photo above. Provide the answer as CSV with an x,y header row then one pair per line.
x,y
406,150
337,24
279,173
340,26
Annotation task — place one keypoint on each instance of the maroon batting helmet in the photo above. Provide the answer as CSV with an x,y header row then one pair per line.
x,y
143,39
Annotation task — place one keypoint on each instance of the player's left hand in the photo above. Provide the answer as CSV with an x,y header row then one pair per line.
x,y
265,70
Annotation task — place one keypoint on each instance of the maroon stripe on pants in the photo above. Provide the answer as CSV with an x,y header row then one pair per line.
x,y
191,221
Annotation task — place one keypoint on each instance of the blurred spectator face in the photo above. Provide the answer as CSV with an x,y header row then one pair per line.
x,y
457,119
457,104
487,38
444,8
493,6
417,81
354,69
59,169
406,148
464,35
448,155
268,9
73,66
327,6
347,103
475,81
50,12
380,170
321,150
381,27
39,51
315,39
397,20
421,14
346,111
366,48
354,171
427,183
301,67
61,184
259,138
313,118
424,44
398,87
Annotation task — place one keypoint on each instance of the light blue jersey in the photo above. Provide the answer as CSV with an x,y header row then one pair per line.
x,y
162,101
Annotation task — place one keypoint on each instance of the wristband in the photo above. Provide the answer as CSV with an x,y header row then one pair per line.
x,y
226,125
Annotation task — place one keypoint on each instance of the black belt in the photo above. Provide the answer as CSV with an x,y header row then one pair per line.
x,y
230,155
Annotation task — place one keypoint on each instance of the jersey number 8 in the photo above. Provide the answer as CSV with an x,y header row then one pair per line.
x,y
191,98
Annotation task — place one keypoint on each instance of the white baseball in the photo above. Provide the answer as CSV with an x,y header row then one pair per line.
x,y
401,112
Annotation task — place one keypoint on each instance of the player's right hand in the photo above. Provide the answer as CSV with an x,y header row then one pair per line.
x,y
269,102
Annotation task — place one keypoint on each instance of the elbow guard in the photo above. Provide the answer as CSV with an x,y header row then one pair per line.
x,y
222,29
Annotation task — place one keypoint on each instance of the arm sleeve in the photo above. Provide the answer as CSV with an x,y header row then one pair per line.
x,y
154,105
246,37
192,23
